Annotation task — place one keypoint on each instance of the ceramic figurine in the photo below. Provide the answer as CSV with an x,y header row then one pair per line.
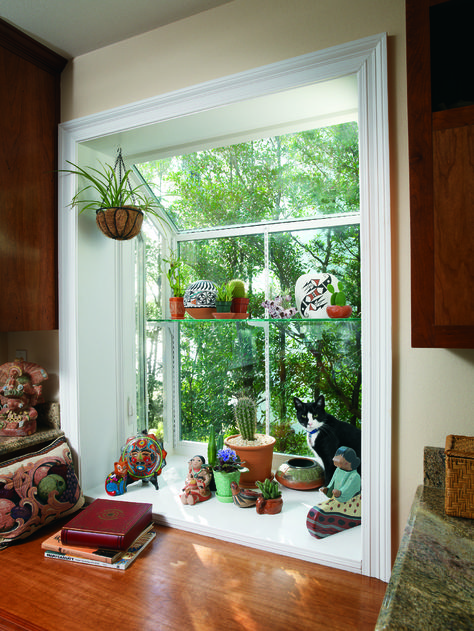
x,y
243,498
312,295
197,483
142,458
343,508
19,392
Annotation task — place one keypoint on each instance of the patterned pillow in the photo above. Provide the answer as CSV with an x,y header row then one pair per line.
x,y
35,489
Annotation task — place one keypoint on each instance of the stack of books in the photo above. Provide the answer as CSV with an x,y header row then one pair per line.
x,y
107,533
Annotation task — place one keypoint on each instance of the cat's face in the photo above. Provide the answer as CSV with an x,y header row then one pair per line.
x,y
310,415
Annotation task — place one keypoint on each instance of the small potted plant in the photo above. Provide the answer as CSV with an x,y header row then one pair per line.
x,y
227,469
224,301
119,207
175,279
270,501
240,300
279,307
338,307
256,449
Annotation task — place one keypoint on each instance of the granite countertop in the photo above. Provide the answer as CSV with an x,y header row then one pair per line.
x,y
432,581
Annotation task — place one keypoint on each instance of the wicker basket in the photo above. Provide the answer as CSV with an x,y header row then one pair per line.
x,y
459,492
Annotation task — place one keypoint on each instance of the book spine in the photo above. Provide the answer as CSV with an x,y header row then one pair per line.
x,y
50,554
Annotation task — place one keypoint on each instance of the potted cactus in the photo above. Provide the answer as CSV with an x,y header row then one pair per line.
x,y
240,300
338,307
270,501
256,450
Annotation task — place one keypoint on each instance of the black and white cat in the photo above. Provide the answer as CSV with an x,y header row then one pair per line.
x,y
325,433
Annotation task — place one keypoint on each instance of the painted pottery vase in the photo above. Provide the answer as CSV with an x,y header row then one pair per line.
x,y
200,299
312,295
223,481
271,506
302,474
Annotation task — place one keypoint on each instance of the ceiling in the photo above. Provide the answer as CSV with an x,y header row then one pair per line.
x,y
75,27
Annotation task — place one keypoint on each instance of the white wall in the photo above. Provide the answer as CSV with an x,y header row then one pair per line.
x,y
432,389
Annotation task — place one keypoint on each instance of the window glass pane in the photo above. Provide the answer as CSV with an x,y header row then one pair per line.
x,y
300,175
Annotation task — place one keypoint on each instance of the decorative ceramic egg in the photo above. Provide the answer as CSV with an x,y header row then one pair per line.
x,y
200,299
312,295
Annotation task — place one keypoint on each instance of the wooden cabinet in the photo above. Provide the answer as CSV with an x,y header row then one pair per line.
x,y
440,58
29,116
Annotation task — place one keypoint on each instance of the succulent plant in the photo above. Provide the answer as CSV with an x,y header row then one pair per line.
x,y
269,489
246,417
337,297
237,288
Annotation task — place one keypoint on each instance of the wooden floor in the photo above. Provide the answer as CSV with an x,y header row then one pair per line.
x,y
183,582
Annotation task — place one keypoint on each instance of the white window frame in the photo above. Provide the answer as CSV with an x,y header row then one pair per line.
x,y
367,58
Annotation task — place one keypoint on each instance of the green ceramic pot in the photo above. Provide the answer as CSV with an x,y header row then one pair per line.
x,y
223,481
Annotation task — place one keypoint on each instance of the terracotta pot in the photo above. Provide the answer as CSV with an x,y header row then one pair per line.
x,y
336,311
269,507
120,223
256,458
177,308
239,305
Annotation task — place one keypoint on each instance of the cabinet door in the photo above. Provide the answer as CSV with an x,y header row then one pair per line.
x,y
28,206
441,194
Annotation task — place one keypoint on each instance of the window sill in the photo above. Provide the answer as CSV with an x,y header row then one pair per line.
x,y
284,534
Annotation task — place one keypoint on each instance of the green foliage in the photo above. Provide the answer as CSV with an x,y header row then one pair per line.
x,y
269,489
237,288
337,297
111,191
246,417
224,292
174,275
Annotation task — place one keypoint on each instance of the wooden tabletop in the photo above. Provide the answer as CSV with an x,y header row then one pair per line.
x,y
183,581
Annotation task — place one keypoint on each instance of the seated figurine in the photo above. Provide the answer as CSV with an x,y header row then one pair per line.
x,y
197,483
343,508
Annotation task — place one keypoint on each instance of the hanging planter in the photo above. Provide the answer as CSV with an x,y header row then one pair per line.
x,y
120,223
119,206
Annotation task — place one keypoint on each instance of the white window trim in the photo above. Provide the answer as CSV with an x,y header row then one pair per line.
x,y
367,58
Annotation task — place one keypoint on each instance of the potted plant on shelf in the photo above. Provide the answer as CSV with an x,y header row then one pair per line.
x,y
175,279
255,449
227,469
270,501
119,207
240,301
338,307
224,301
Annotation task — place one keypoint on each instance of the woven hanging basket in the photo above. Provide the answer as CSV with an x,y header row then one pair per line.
x,y
120,223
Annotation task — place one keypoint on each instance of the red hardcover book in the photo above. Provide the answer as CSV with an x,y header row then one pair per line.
x,y
111,524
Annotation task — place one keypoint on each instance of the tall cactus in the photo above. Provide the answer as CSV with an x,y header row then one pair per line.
x,y
246,417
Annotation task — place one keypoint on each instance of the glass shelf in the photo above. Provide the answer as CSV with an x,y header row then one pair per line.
x,y
251,321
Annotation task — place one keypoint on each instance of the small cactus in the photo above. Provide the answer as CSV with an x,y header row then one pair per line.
x,y
269,489
337,297
246,417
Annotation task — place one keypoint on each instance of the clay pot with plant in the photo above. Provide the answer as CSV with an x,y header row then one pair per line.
x,y
270,501
175,279
240,300
118,205
256,450
338,307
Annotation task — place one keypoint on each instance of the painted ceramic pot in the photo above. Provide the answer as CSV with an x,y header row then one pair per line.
x,y
223,481
312,295
302,474
200,299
